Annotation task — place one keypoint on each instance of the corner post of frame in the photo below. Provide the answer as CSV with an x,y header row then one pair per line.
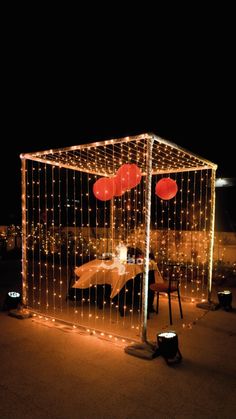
x,y
150,141
24,230
211,233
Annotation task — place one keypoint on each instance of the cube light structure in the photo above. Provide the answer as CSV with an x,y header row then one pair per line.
x,y
65,225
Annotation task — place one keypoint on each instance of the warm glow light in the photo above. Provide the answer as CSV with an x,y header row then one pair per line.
x,y
122,252
71,213
167,335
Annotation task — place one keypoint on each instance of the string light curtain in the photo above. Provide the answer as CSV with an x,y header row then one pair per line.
x,y
66,226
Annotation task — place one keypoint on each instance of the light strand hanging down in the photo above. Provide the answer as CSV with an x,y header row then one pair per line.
x,y
67,228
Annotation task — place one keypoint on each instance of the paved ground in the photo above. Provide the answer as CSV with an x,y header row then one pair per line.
x,y
48,372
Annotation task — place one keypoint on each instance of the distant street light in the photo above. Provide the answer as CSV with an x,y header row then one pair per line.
x,y
222,182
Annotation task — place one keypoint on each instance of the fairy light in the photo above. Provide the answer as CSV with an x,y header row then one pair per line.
x,y
33,231
46,235
205,253
198,235
194,232
156,225
181,252
60,235
211,232
96,233
81,226
125,235
118,218
27,228
137,212
53,239
128,205
175,250
133,204
105,238
192,226
172,158
39,237
186,232
112,229
147,213
75,231
67,240
163,241
88,225
168,241
103,159
174,254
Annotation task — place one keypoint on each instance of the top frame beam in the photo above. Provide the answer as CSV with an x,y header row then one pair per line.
x,y
54,155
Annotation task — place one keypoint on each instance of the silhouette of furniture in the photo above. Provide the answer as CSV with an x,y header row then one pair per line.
x,y
168,287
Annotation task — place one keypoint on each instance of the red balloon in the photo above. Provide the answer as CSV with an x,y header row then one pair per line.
x,y
118,186
166,188
129,176
104,188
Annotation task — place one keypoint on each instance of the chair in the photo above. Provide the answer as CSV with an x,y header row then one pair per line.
x,y
170,286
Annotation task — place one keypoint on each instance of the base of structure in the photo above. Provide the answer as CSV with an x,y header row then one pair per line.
x,y
208,305
20,313
144,350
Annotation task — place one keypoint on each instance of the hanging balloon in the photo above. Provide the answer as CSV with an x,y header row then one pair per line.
x,y
166,188
118,186
129,175
104,188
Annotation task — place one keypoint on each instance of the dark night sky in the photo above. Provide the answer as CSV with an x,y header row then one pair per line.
x,y
188,102
40,130
206,129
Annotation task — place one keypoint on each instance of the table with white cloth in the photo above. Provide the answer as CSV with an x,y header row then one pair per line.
x,y
100,272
